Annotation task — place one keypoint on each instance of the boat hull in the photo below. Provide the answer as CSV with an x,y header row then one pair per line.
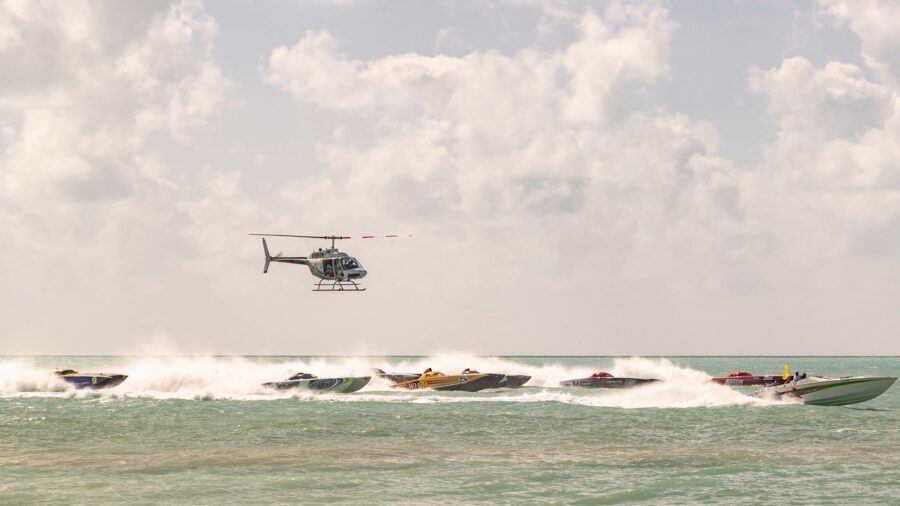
x,y
494,381
344,385
606,382
94,381
453,382
477,384
514,380
832,391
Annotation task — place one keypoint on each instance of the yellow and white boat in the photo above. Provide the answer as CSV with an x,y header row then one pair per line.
x,y
463,382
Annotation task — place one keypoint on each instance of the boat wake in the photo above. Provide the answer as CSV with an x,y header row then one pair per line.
x,y
241,378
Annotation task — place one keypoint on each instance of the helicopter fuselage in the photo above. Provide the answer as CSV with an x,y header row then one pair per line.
x,y
330,263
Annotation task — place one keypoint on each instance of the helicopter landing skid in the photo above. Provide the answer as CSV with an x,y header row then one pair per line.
x,y
325,285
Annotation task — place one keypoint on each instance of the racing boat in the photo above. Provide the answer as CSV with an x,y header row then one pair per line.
x,y
90,379
825,391
463,382
605,380
306,381
397,377
508,380
743,378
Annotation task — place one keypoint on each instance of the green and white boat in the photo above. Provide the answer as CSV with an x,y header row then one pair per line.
x,y
306,381
825,391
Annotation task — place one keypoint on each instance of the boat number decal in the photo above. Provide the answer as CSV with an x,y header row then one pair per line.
x,y
94,380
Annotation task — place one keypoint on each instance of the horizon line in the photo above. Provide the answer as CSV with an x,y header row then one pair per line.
x,y
430,355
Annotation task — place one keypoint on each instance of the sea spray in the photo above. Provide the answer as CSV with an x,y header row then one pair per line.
x,y
23,376
234,377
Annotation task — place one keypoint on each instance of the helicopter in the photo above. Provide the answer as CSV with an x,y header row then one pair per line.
x,y
337,271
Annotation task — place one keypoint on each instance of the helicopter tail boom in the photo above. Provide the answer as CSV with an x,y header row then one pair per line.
x,y
279,258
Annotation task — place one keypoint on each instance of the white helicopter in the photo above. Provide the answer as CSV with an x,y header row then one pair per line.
x,y
336,270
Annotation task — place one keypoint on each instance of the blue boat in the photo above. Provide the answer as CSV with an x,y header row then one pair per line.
x,y
90,379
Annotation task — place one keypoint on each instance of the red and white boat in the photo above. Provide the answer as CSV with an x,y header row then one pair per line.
x,y
744,378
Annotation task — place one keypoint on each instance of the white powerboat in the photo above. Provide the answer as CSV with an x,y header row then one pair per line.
x,y
824,391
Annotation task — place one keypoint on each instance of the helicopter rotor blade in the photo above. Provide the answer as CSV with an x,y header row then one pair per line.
x,y
334,237
330,237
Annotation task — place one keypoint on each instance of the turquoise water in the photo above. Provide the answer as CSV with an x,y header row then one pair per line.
x,y
199,430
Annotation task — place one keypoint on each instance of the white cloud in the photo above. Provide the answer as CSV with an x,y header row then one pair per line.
x,y
627,46
836,101
836,137
830,180
171,71
877,23
527,143
77,179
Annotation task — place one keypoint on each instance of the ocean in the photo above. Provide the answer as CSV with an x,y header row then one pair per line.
x,y
201,430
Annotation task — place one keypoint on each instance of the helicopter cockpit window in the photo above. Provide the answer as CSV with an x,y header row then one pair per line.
x,y
349,263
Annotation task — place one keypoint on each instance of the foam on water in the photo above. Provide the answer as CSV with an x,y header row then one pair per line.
x,y
241,378
21,376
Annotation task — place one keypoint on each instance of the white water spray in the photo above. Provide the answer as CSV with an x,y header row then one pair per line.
x,y
209,377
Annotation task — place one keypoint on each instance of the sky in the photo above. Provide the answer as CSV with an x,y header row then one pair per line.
x,y
591,178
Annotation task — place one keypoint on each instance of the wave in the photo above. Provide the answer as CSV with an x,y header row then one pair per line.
x,y
241,378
